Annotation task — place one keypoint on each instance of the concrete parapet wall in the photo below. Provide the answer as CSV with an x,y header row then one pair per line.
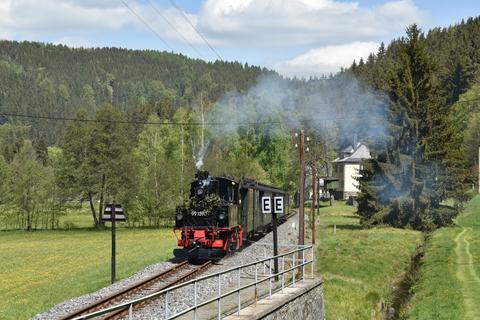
x,y
303,302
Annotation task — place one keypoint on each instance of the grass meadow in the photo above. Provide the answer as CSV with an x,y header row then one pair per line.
x,y
42,268
359,266
449,287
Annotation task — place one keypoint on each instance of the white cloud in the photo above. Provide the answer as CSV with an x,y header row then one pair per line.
x,y
61,16
170,23
325,60
68,19
260,24
303,22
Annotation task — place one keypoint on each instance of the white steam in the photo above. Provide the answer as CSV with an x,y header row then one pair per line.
x,y
200,155
323,104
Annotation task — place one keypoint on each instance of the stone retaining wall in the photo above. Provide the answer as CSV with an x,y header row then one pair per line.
x,y
308,306
304,302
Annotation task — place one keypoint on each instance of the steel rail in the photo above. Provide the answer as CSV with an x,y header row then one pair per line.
x,y
119,314
127,305
123,294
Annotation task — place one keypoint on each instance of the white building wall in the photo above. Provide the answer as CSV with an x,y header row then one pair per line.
x,y
350,185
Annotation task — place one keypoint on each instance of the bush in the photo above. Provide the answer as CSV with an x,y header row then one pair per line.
x,y
441,216
400,214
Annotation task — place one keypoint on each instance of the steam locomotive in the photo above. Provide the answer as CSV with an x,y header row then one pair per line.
x,y
223,215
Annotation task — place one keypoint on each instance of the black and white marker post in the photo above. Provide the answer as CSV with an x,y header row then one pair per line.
x,y
113,213
275,243
277,208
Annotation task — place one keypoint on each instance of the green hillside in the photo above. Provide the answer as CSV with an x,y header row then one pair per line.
x,y
54,80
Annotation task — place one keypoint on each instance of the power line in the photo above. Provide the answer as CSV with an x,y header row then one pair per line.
x,y
175,29
253,123
17,115
146,24
195,29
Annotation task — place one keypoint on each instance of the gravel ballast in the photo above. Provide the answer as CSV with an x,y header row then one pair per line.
x,y
182,298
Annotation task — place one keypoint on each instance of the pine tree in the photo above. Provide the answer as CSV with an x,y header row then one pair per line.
x,y
407,183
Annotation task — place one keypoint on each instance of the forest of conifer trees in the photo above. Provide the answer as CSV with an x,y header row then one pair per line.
x,y
428,86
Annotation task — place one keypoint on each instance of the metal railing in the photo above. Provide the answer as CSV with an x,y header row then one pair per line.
x,y
292,263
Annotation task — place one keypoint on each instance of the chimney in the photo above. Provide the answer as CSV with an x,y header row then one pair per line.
x,y
355,141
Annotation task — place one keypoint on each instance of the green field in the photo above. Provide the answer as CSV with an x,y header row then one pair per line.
x,y
81,218
40,269
450,285
359,266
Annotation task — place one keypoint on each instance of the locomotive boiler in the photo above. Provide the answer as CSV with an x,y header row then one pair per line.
x,y
223,215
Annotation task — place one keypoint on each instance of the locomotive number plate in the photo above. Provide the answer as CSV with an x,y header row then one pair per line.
x,y
199,213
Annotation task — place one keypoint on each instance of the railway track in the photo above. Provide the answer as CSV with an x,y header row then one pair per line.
x,y
179,273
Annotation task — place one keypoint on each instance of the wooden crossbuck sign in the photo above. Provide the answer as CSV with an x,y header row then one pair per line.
x,y
107,213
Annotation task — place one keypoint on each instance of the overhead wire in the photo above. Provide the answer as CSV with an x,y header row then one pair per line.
x,y
196,30
175,29
146,24
18,115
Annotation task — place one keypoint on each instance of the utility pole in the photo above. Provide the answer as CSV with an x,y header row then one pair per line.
x,y
314,199
301,212
203,123
183,170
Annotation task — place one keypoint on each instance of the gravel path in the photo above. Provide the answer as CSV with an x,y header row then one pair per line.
x,y
469,279
181,298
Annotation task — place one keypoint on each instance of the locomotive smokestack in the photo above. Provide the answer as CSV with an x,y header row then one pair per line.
x,y
202,175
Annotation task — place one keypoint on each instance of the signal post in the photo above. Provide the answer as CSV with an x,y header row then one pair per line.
x,y
113,213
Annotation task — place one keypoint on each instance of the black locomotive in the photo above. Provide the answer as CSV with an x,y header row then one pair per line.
x,y
223,215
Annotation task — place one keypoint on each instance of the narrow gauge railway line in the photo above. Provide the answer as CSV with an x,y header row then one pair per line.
x,y
179,273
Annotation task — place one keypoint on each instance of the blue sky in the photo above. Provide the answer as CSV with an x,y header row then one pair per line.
x,y
295,37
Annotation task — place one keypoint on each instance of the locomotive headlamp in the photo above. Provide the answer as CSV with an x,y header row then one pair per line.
x,y
179,216
200,191
221,216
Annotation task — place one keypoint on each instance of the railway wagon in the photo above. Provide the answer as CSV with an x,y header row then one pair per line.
x,y
223,215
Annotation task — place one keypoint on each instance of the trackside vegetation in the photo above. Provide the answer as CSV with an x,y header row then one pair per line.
x,y
359,266
42,268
